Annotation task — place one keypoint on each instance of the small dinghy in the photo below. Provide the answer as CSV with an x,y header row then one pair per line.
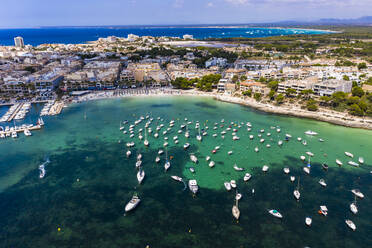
x,y
275,213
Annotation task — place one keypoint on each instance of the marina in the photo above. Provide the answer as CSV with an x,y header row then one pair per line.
x,y
102,165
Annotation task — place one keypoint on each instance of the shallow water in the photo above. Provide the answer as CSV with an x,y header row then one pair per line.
x,y
90,210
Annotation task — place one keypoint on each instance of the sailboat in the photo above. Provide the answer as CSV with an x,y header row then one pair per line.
x,y
353,206
236,211
307,168
132,203
167,163
199,137
296,192
187,134
140,175
308,221
193,158
275,213
146,142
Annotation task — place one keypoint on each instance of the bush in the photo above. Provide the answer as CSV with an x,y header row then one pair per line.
x,y
357,91
257,96
312,107
355,110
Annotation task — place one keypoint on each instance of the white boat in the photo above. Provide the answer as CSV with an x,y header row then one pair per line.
x,y
156,135
304,143
27,132
292,178
193,158
146,142
349,154
139,156
192,169
280,142
247,176
303,158
193,186
256,149
265,168
227,186
353,208
350,224
140,176
229,152
275,213
352,163
312,133
14,135
238,196
322,182
207,158
251,137
128,153
211,164
361,160
236,212
165,144
296,192
338,162
233,184
299,138
185,146
358,193
177,178
323,210
286,170
308,221
132,203
262,140
310,154
138,164
160,152
157,159
238,168
167,164
306,170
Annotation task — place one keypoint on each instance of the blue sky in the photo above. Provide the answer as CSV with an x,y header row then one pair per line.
x,y
33,13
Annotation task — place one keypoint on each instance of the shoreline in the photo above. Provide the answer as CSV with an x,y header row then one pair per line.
x,y
324,115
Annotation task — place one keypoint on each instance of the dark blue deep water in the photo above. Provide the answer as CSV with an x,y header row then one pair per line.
x,y
37,36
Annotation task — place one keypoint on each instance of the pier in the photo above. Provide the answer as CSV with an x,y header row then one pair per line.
x,y
11,117
8,132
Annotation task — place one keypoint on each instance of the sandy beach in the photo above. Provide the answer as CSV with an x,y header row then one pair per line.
x,y
326,115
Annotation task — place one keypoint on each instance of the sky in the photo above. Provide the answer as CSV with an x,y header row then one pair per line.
x,y
34,13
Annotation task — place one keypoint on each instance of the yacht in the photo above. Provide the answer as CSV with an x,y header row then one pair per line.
x,y
14,135
322,182
211,164
275,213
323,210
236,211
350,224
138,164
157,159
128,153
227,186
256,149
349,154
160,152
352,163
140,176
280,142
354,207
262,140
286,170
361,160
306,170
296,192
338,162
27,132
325,166
265,168
308,221
312,133
177,178
193,186
292,178
208,158
251,137
310,154
238,168
185,146
358,193
193,158
132,203
303,158
233,184
247,176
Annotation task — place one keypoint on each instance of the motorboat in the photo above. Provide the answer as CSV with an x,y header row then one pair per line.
x,y
238,168
139,156
157,159
160,152
132,203
310,154
247,176
268,145
350,224
27,132
311,133
128,153
229,152
286,170
177,178
292,178
236,212
349,154
353,207
233,184
352,163
185,146
275,213
227,186
296,192
146,142
323,210
167,165
251,137
338,162
325,166
306,170
308,221
256,149
238,196
138,163
140,176
299,138
357,193
14,135
322,182
208,158
303,158
280,142
361,160
262,140
265,168
193,158
193,186
211,164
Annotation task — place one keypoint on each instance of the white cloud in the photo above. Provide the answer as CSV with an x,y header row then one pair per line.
x,y
178,4
302,2
210,4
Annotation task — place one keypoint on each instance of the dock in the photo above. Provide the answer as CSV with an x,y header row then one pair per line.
x,y
11,117
56,108
21,129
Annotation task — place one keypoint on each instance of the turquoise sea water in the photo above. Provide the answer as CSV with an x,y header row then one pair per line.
x,y
90,210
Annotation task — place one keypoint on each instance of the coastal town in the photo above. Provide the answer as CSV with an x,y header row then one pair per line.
x,y
308,81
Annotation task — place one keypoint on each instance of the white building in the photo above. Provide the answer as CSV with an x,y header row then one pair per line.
x,y
18,42
216,62
188,37
328,87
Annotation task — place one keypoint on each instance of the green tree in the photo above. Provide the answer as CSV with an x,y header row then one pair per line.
x,y
290,92
279,99
355,110
306,93
257,96
271,94
352,100
346,78
338,97
362,66
325,100
247,93
273,85
243,78
363,105
357,91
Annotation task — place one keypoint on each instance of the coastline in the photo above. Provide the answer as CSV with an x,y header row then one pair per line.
x,y
324,115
